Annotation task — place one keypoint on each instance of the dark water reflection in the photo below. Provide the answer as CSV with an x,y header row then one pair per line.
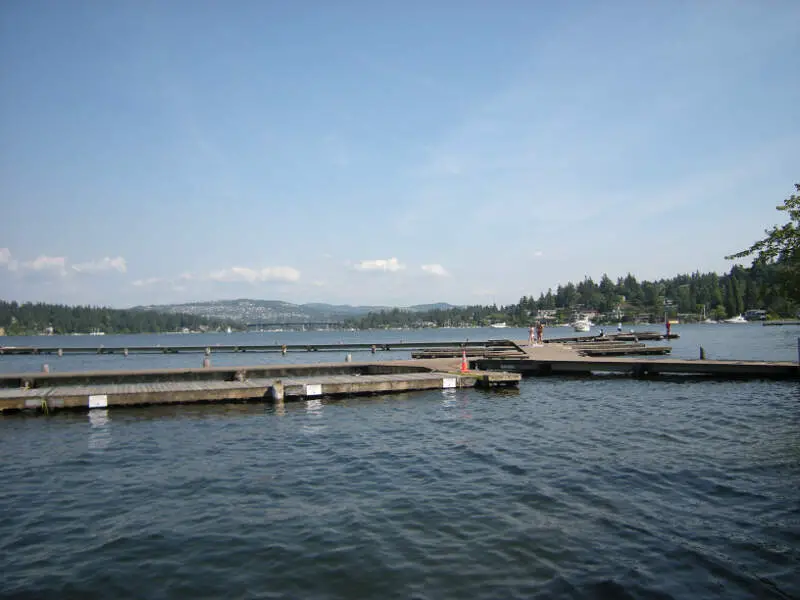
x,y
577,488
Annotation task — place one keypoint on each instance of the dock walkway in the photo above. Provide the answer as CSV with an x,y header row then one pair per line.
x,y
51,391
565,359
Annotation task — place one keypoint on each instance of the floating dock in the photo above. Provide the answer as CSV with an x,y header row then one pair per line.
x,y
585,346
235,348
374,347
628,336
491,364
563,359
102,389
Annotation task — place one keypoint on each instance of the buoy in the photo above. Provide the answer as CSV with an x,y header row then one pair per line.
x,y
464,365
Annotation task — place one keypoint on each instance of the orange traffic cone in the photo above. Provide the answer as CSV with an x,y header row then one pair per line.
x,y
464,365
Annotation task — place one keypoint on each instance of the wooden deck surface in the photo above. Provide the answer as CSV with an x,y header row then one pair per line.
x,y
105,395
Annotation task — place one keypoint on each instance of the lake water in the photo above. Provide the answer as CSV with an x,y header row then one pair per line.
x,y
603,487
752,341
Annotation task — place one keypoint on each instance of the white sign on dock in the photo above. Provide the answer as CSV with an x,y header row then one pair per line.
x,y
449,382
314,389
98,401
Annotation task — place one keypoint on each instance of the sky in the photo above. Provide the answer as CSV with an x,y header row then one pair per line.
x,y
389,153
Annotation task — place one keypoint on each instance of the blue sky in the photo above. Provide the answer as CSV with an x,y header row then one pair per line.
x,y
393,153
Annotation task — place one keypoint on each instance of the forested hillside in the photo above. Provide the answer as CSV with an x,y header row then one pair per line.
x,y
761,286
31,318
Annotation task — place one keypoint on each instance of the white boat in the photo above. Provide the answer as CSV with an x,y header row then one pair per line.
x,y
706,320
582,324
735,320
499,325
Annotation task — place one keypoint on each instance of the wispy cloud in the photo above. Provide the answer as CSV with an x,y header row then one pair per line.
x,y
59,265
227,275
246,274
7,260
148,282
380,264
52,264
436,269
104,264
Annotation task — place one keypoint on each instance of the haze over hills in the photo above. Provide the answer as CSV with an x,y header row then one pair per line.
x,y
247,310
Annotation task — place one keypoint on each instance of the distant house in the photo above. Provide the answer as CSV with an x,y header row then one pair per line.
x,y
546,315
755,315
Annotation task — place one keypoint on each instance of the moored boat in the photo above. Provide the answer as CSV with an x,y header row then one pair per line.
x,y
583,324
738,319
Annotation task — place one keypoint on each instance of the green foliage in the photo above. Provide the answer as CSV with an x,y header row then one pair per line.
x,y
30,318
781,247
626,299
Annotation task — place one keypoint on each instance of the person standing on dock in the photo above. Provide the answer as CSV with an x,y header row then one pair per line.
x,y
668,327
531,334
539,332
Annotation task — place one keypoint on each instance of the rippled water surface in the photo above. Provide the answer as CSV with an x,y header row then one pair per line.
x,y
602,487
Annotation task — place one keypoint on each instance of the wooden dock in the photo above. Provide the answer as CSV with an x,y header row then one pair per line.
x,y
636,336
587,346
236,348
563,359
374,347
493,363
46,392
